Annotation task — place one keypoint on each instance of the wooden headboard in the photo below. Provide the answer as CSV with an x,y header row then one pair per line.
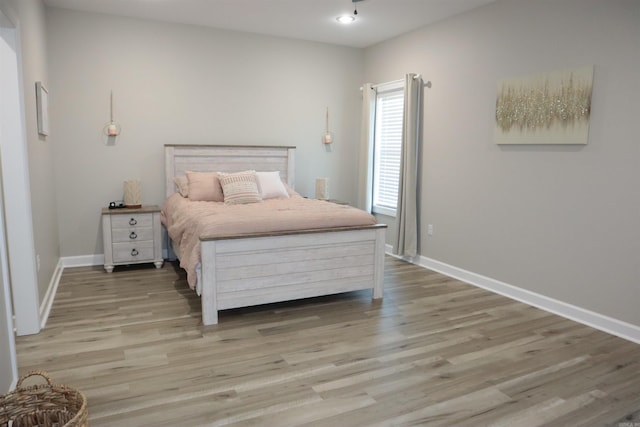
x,y
227,158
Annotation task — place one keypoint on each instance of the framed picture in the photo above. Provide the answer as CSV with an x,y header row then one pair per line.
x,y
548,108
42,102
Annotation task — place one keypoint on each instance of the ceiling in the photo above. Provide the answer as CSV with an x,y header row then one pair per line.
x,y
314,20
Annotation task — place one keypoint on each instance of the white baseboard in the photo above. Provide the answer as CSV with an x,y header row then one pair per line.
x,y
90,260
599,321
83,260
47,301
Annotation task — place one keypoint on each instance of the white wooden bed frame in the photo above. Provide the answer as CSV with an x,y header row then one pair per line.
x,y
239,271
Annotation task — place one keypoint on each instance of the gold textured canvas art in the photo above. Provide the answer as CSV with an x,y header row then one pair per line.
x,y
550,108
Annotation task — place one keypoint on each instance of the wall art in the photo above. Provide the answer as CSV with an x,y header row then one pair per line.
x,y
549,108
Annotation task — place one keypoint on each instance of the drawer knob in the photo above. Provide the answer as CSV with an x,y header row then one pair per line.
x,y
133,221
134,252
133,235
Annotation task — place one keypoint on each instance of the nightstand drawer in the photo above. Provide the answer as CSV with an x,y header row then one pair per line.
x,y
132,220
133,252
131,234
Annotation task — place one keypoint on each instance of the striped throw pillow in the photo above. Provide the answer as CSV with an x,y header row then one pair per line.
x,y
239,188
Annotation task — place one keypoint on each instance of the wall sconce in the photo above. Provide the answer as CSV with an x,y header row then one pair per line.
x,y
112,129
327,137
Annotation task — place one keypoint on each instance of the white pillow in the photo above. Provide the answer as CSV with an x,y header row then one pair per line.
x,y
271,185
182,182
239,188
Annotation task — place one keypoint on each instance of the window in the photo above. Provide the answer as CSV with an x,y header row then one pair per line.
x,y
387,147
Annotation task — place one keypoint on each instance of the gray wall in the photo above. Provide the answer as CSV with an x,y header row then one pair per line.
x,y
561,221
31,14
179,84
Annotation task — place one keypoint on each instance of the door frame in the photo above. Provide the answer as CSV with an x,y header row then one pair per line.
x,y
19,237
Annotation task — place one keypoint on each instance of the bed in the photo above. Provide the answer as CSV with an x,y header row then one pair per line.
x,y
245,269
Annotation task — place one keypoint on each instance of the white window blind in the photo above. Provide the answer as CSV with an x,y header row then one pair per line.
x,y
387,150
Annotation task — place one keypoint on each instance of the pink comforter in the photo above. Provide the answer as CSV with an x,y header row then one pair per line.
x,y
188,221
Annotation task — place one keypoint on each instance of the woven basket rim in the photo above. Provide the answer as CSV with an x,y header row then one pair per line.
x,y
6,399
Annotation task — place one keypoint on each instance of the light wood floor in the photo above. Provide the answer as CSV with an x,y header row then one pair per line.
x,y
435,352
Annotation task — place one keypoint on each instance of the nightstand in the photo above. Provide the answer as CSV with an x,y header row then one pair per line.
x,y
131,236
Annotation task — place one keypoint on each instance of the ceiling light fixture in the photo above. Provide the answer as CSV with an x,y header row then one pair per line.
x,y
348,19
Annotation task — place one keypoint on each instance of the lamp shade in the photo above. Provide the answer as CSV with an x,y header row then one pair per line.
x,y
322,188
132,194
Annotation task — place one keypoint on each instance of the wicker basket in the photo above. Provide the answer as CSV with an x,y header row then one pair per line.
x,y
44,405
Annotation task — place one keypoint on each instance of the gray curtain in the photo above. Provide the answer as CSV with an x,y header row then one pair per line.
x,y
406,224
365,182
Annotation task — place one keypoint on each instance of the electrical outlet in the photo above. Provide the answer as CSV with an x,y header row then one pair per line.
x,y
430,229
38,262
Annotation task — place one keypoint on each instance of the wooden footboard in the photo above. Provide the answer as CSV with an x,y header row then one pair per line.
x,y
241,271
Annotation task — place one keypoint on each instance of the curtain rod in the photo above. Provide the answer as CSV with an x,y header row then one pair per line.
x,y
426,84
